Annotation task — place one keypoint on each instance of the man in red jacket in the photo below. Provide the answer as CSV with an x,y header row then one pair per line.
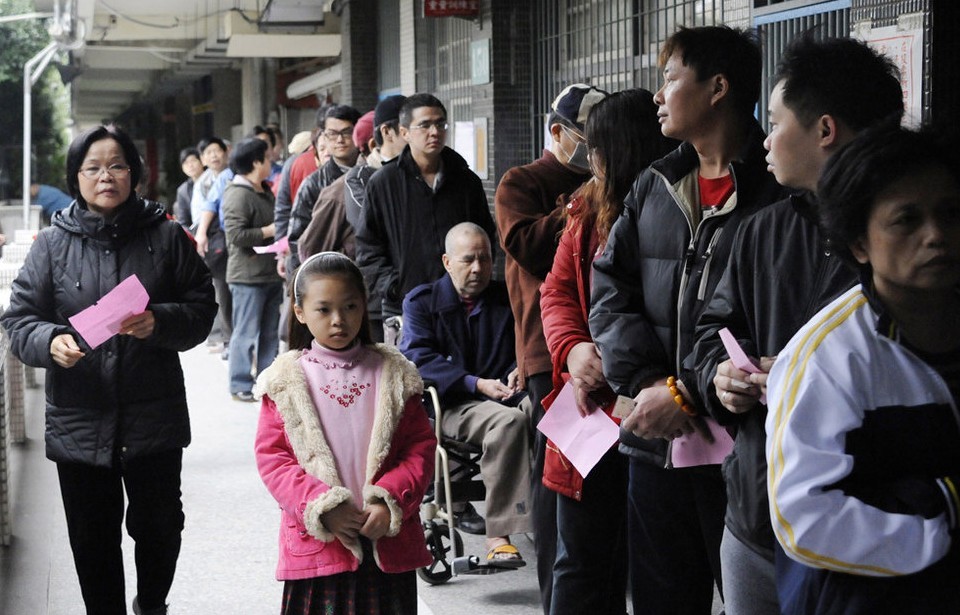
x,y
529,212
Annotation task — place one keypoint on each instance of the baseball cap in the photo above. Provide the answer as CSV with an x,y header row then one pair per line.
x,y
299,142
363,130
575,101
388,109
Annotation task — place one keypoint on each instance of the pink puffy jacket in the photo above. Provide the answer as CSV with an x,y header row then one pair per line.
x,y
298,468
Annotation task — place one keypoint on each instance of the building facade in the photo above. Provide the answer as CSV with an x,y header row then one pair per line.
x,y
498,69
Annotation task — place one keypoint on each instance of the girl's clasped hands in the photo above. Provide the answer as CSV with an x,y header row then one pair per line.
x,y
347,522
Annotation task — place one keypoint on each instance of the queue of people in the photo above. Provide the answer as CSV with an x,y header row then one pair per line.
x,y
654,229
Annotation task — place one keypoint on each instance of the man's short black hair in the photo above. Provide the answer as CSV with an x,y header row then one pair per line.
x,y
208,141
187,152
555,118
340,112
245,153
417,101
260,130
713,50
840,77
865,167
321,114
393,125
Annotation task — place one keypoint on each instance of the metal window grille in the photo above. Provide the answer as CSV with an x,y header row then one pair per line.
x,y
777,28
388,44
443,64
612,44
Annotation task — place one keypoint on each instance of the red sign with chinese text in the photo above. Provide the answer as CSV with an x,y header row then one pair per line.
x,y
451,8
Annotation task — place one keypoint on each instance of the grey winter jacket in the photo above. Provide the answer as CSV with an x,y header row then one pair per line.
x,y
126,397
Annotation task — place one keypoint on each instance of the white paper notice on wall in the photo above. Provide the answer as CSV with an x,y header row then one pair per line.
x,y
903,45
464,144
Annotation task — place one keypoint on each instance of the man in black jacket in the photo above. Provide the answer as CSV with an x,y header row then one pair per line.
x,y
660,266
411,205
779,275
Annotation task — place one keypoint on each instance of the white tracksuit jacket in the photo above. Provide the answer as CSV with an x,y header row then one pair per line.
x,y
863,447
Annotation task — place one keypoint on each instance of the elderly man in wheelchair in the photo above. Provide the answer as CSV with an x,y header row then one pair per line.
x,y
459,332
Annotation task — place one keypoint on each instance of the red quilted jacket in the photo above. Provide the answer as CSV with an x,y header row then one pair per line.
x,y
565,307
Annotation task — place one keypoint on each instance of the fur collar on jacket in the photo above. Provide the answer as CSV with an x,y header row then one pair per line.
x,y
285,383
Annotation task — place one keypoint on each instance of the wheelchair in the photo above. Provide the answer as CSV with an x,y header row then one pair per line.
x,y
457,465
456,469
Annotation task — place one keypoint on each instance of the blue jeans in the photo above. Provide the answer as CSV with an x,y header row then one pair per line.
x,y
674,527
256,317
590,574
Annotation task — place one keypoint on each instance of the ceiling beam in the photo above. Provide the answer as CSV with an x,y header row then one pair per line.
x,y
283,45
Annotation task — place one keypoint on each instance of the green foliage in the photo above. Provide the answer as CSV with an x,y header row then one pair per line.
x,y
20,41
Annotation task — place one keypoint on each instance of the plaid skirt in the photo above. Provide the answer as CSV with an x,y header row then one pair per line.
x,y
368,591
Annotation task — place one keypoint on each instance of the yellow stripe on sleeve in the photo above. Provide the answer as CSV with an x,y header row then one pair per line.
x,y
791,385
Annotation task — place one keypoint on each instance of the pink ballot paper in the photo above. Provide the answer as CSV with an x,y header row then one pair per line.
x,y
101,321
740,359
584,440
693,450
277,247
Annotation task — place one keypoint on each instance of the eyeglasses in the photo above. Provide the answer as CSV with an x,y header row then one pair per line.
x,y
333,135
115,171
440,125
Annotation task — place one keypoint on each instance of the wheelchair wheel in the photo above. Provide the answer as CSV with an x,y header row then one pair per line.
x,y
439,542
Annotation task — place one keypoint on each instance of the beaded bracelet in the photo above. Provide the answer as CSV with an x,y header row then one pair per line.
x,y
678,397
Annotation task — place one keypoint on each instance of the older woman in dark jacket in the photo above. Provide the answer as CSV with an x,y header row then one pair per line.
x,y
116,416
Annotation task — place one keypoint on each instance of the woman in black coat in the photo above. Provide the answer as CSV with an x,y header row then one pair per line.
x,y
116,414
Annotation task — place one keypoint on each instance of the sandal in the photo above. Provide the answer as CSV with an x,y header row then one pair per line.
x,y
505,556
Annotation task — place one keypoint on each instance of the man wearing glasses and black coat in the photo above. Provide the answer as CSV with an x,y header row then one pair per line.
x,y
412,204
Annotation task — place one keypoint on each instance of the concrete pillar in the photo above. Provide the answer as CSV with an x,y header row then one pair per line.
x,y
269,70
226,94
358,27
408,47
252,92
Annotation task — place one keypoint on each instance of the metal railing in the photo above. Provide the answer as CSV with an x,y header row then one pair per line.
x,y
13,379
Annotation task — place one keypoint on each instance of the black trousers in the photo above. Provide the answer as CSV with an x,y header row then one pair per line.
x,y
93,500
590,574
674,527
544,500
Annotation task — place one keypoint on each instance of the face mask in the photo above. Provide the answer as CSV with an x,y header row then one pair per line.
x,y
578,159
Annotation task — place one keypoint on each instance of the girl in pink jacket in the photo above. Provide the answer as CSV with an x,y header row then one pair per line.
x,y
345,447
